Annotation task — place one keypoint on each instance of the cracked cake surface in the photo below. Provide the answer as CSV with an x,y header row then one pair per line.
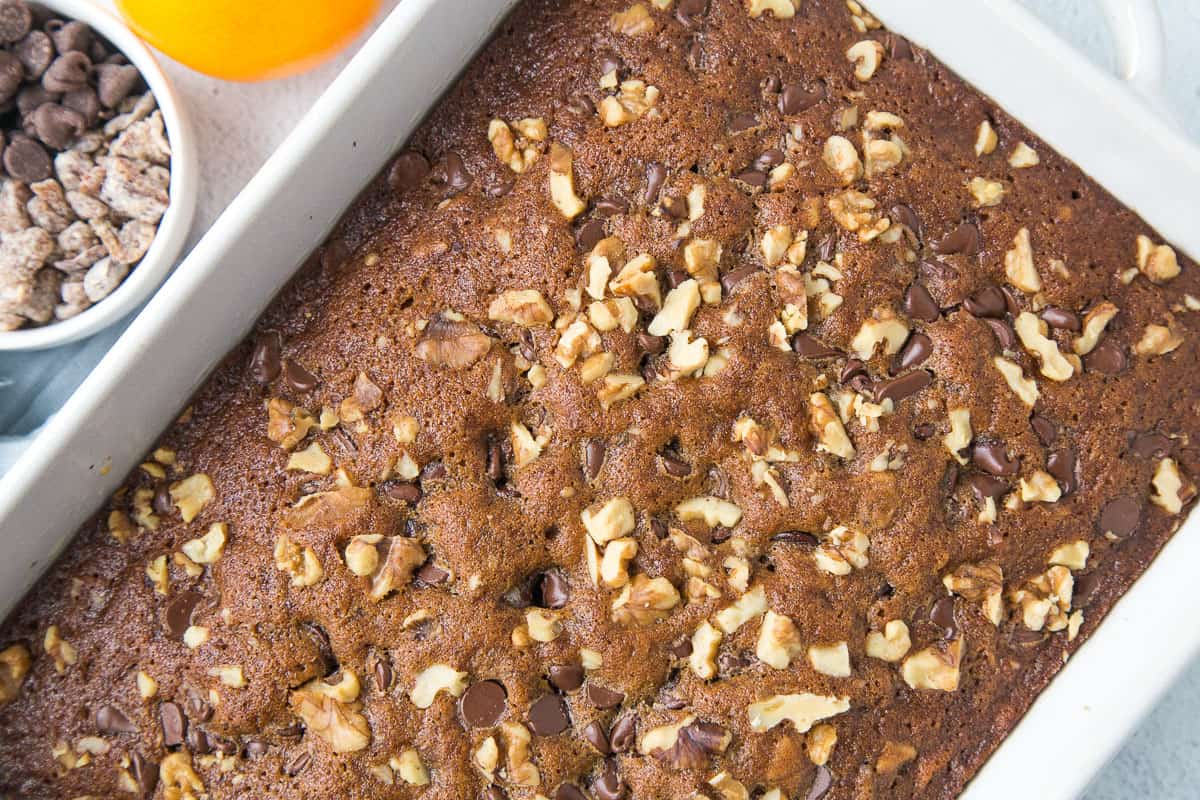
x,y
713,399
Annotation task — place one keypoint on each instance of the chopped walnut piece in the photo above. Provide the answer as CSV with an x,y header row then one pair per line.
x,y
856,211
230,675
59,649
842,159
979,583
751,605
404,556
894,756
713,511
178,779
1045,599
437,678
832,660
686,744
935,667
453,343
192,495
298,561
1018,264
208,548
15,663
366,398
410,768
525,307
780,9
866,56
728,787
613,569
1032,331
827,427
891,644
1072,555
632,102
803,710
332,712
311,459
644,601
883,328
985,139
487,757
609,520
1039,487
562,182
705,643
677,310
985,193
820,743
618,386
702,259
1158,340
633,21
287,424
778,641
1024,388
1170,490
1023,156
842,550
543,624
1094,323
637,279
518,152
960,435
1157,262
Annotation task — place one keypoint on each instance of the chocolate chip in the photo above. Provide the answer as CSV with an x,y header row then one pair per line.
x,y
675,466
1150,445
652,344
85,102
30,97
1060,318
769,159
553,591
110,719
624,733
1063,466
603,698
25,160
297,765
297,377
483,704
899,48
430,574
1046,431
963,240
924,431
1085,587
433,471
594,735
916,350
905,386
1120,516
852,369
611,206
688,10
68,72
985,486
986,302
752,178
495,461
730,280
408,170
809,347
919,304
608,784
1107,358
548,715
197,741
174,724
569,791
580,105
15,20
317,635
566,677
164,506
70,36
795,98
676,277
610,63
589,235
802,538
455,174
656,176
821,784
593,458
35,52
904,214
11,74
992,457
256,748
742,122
197,709
1004,333
179,612
499,186
144,773
115,82
941,614
675,208
404,491
383,675
658,528
57,126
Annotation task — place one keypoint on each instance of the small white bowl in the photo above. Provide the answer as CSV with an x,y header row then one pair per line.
x,y
173,228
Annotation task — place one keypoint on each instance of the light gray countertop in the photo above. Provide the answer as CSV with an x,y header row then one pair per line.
x,y
239,125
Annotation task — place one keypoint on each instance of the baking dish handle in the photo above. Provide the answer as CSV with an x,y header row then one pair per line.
x,y
1137,29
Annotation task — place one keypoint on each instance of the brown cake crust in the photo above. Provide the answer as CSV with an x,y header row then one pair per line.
x,y
398,318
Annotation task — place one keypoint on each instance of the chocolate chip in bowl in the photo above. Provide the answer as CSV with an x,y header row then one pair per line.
x,y
97,173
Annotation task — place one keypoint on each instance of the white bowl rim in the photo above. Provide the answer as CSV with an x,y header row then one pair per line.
x,y
175,224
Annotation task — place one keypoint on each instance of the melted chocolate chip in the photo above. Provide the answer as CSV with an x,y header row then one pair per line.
x,y
316,634
903,387
675,466
264,361
852,369
916,350
595,735
604,698
731,279
297,377
992,457
802,538
457,178
408,170
821,784
752,178
1120,516
178,617
656,176
566,677
174,724
404,491
384,677
1064,467
430,574
1046,430
769,159
1150,445
1085,587
908,218
624,733
569,791
593,458
1006,337
1107,358
548,715
652,344
985,486
552,590
809,347
919,304
986,302
795,98
589,235
144,773
110,719
607,785
963,240
483,704
742,122
1060,318
941,614
899,49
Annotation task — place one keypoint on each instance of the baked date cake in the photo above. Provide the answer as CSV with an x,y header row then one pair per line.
x,y
714,399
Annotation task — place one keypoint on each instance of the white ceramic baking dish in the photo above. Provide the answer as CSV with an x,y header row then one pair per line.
x,y
216,294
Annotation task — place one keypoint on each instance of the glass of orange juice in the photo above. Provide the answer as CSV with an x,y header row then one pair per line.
x,y
248,40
